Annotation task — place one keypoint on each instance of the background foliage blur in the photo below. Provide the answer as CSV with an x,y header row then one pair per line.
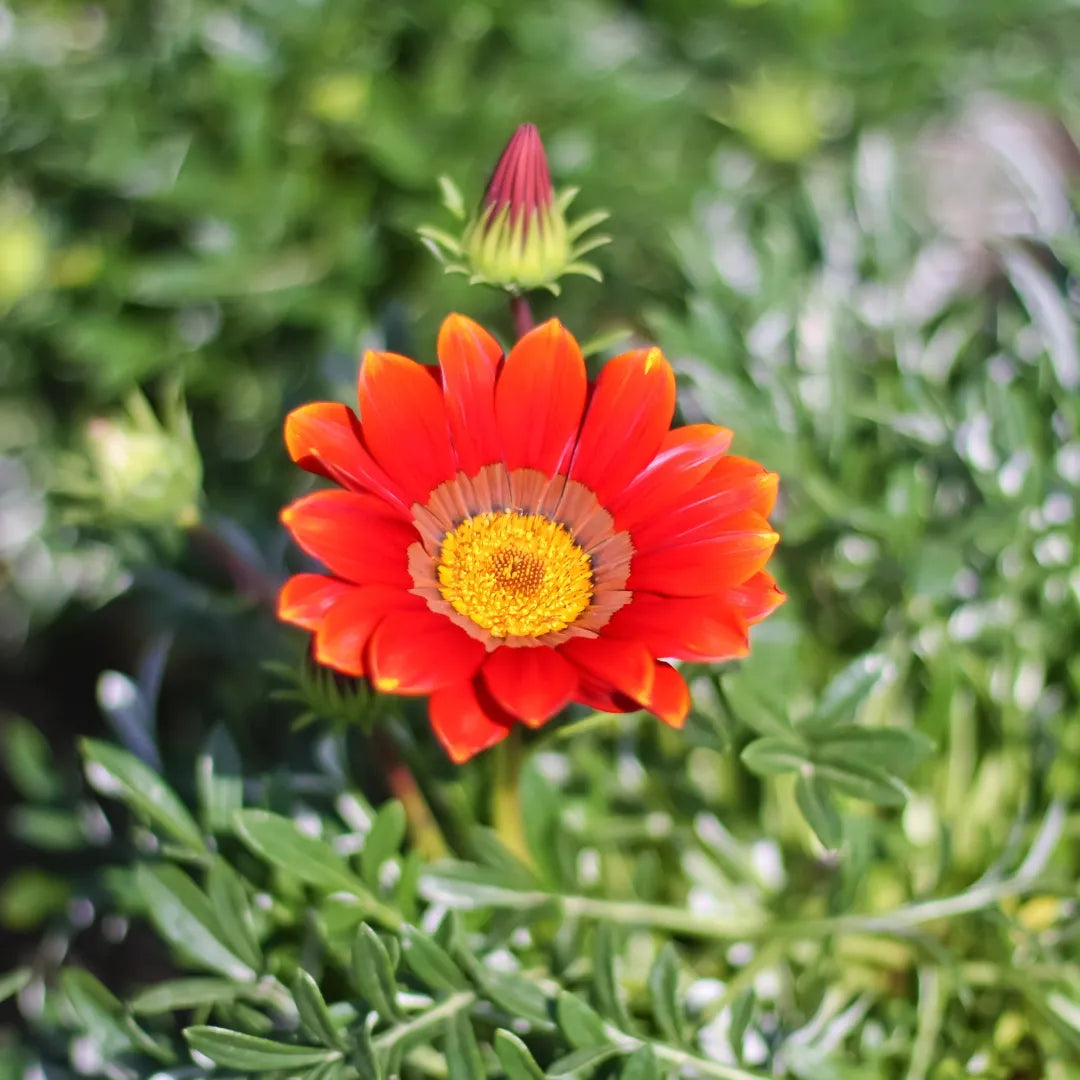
x,y
850,225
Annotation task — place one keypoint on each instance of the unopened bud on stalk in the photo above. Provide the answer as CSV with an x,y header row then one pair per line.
x,y
519,239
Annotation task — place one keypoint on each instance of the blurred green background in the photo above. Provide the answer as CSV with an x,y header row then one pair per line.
x,y
850,225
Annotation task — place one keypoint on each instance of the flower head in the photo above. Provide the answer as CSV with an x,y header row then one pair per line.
x,y
508,539
519,238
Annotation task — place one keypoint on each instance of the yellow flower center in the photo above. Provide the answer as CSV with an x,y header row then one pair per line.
x,y
516,575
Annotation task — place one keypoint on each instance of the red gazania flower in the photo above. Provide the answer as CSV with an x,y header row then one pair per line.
x,y
508,538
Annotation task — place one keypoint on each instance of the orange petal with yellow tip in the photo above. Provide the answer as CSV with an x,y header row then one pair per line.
x,y
539,399
404,422
469,357
325,438
305,598
629,414
463,724
416,652
531,684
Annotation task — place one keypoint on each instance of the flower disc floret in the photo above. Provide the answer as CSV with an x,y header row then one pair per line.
x,y
515,574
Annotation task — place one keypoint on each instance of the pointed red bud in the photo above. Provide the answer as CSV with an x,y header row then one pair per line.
x,y
521,179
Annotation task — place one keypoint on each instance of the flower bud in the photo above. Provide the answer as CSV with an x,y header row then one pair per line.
x,y
519,238
142,471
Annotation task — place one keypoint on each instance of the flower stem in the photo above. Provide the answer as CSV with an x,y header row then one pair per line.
x,y
506,795
424,830
522,314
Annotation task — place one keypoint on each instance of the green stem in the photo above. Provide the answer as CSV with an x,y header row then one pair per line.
x,y
435,1017
506,795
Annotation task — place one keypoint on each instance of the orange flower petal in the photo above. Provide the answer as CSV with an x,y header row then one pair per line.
x,y
685,456
625,666
734,485
358,537
670,698
532,684
700,568
463,724
539,399
629,414
469,357
304,598
349,623
416,652
702,628
404,422
755,598
325,439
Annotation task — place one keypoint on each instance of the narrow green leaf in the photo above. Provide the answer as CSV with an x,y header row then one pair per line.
x,y
847,691
514,995
773,755
373,972
578,1021
28,760
235,1050
219,781
13,981
116,773
463,1058
328,1070
581,1063
231,907
383,841
541,822
314,1015
641,1065
362,1055
280,842
190,993
664,993
605,983
514,1057
742,1008
862,782
97,1012
896,750
184,917
430,963
817,807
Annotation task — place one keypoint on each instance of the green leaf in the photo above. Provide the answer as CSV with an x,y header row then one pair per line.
x,y
231,907
280,842
605,985
463,1058
314,1015
581,1063
514,995
184,917
541,822
430,963
578,1021
373,973
190,993
116,773
773,755
219,781
863,782
97,1012
13,981
28,760
742,1008
664,993
362,1055
235,1050
847,691
383,841
641,1065
896,750
514,1057
817,807
328,1070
